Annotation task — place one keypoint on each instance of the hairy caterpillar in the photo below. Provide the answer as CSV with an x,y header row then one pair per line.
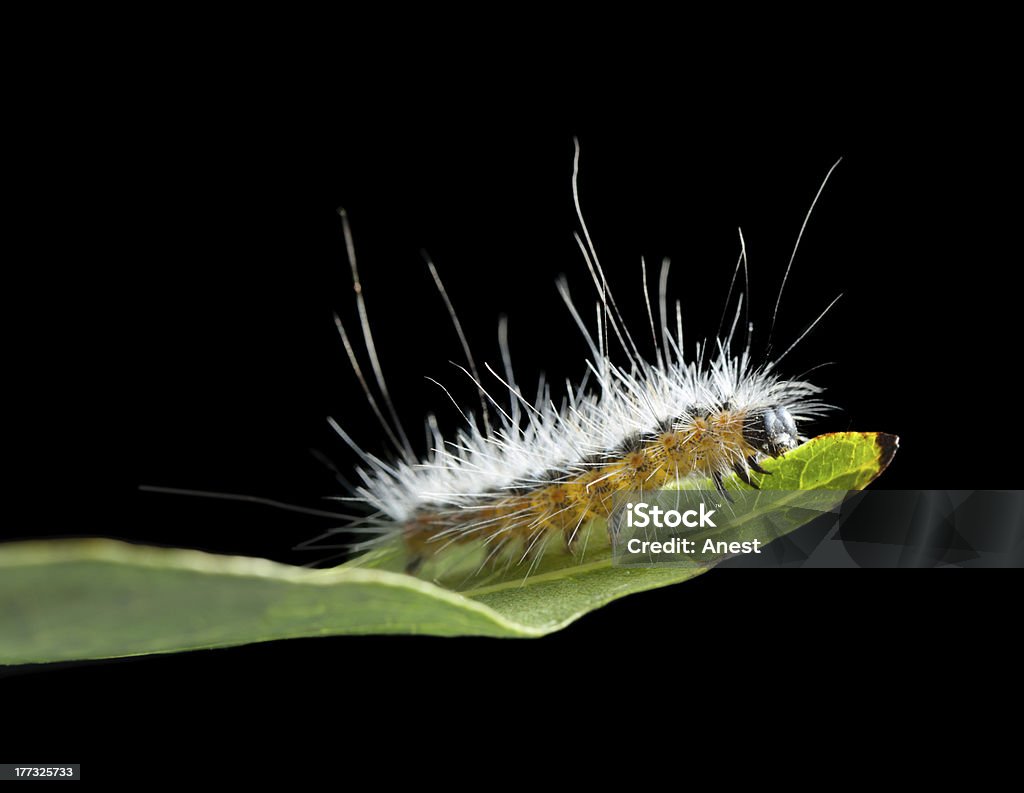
x,y
524,478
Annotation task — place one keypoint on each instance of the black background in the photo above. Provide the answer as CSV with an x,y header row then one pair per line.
x,y
230,363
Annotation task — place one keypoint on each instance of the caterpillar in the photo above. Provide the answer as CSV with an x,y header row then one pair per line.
x,y
525,478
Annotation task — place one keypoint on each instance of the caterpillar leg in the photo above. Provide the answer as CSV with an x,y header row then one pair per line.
x,y
743,472
756,467
720,487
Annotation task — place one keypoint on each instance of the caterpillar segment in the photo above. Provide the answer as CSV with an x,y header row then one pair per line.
x,y
704,443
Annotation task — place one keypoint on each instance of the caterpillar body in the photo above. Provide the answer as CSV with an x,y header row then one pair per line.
x,y
527,478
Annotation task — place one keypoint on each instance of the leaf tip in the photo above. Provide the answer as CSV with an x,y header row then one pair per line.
x,y
887,444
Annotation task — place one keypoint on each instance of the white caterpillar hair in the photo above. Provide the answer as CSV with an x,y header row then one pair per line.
x,y
522,471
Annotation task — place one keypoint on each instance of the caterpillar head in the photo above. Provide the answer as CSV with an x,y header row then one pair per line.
x,y
771,431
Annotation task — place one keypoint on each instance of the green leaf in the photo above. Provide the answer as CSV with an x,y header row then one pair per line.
x,y
66,600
